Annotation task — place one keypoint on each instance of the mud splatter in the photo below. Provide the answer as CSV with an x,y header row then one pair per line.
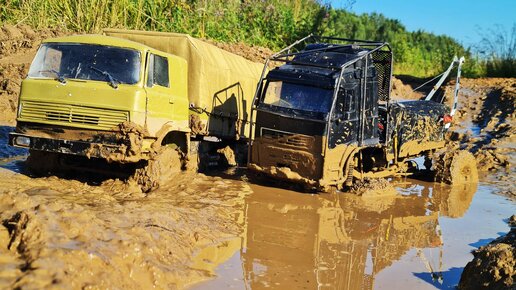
x,y
373,187
129,148
229,155
162,168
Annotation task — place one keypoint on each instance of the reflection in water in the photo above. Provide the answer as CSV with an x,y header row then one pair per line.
x,y
341,241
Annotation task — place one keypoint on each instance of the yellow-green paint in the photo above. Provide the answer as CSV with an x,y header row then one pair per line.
x,y
77,102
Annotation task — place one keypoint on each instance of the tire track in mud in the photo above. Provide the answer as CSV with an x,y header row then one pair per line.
x,y
64,233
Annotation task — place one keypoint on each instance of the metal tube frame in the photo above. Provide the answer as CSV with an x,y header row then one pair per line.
x,y
285,54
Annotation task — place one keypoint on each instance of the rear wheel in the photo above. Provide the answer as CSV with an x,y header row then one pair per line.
x,y
456,167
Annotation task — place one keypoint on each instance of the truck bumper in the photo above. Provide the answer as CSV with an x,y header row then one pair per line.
x,y
286,174
80,148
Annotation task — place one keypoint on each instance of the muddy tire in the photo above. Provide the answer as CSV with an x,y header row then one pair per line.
x,y
42,163
455,167
153,173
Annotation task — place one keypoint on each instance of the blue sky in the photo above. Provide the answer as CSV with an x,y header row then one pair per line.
x,y
460,19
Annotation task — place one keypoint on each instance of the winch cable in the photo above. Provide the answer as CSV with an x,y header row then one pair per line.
x,y
443,77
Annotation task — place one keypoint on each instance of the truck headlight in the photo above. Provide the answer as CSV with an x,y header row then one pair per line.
x,y
22,141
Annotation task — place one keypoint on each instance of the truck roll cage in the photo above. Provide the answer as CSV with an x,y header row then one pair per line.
x,y
379,52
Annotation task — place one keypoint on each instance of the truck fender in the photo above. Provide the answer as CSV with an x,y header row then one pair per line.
x,y
170,135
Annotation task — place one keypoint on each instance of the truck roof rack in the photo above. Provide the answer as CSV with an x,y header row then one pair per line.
x,y
334,43
380,52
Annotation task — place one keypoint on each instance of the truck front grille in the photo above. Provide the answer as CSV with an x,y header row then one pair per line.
x,y
71,115
290,139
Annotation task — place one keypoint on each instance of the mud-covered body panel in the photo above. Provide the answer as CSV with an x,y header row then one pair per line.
x,y
286,142
416,126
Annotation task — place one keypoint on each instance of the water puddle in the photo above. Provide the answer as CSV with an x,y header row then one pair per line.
x,y
420,238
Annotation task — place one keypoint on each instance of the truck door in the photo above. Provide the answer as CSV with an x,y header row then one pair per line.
x,y
345,118
368,132
160,98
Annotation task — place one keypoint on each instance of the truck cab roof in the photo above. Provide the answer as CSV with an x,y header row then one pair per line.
x,y
319,64
99,40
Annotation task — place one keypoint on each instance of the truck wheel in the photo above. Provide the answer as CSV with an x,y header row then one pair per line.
x,y
456,167
42,163
157,171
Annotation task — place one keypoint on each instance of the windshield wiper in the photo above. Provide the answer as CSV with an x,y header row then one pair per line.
x,y
59,77
112,81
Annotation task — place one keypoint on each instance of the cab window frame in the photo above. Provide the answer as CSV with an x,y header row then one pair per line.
x,y
153,76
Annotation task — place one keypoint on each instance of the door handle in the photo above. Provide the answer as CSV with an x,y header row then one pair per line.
x,y
170,101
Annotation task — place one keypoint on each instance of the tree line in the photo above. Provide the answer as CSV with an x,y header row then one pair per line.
x,y
269,23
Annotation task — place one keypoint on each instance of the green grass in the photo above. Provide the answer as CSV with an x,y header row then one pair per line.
x,y
266,23
269,23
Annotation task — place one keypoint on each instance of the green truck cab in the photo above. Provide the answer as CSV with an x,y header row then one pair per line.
x,y
80,88
124,99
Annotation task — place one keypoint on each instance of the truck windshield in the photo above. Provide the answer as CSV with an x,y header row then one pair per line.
x,y
296,96
86,62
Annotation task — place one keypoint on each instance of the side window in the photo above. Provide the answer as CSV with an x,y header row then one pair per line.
x,y
158,71
349,100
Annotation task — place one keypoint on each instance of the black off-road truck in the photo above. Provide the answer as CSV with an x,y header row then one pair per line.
x,y
324,116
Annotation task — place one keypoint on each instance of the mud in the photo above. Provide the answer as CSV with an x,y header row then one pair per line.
x,y
160,170
66,234
130,138
373,187
487,107
229,156
493,266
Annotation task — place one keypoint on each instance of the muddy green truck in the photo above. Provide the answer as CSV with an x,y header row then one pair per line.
x,y
325,118
131,98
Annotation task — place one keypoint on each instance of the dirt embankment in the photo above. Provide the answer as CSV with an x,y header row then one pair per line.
x,y
494,265
404,91
253,53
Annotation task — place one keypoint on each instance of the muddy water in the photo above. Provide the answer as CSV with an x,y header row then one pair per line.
x,y
66,233
420,238
210,232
